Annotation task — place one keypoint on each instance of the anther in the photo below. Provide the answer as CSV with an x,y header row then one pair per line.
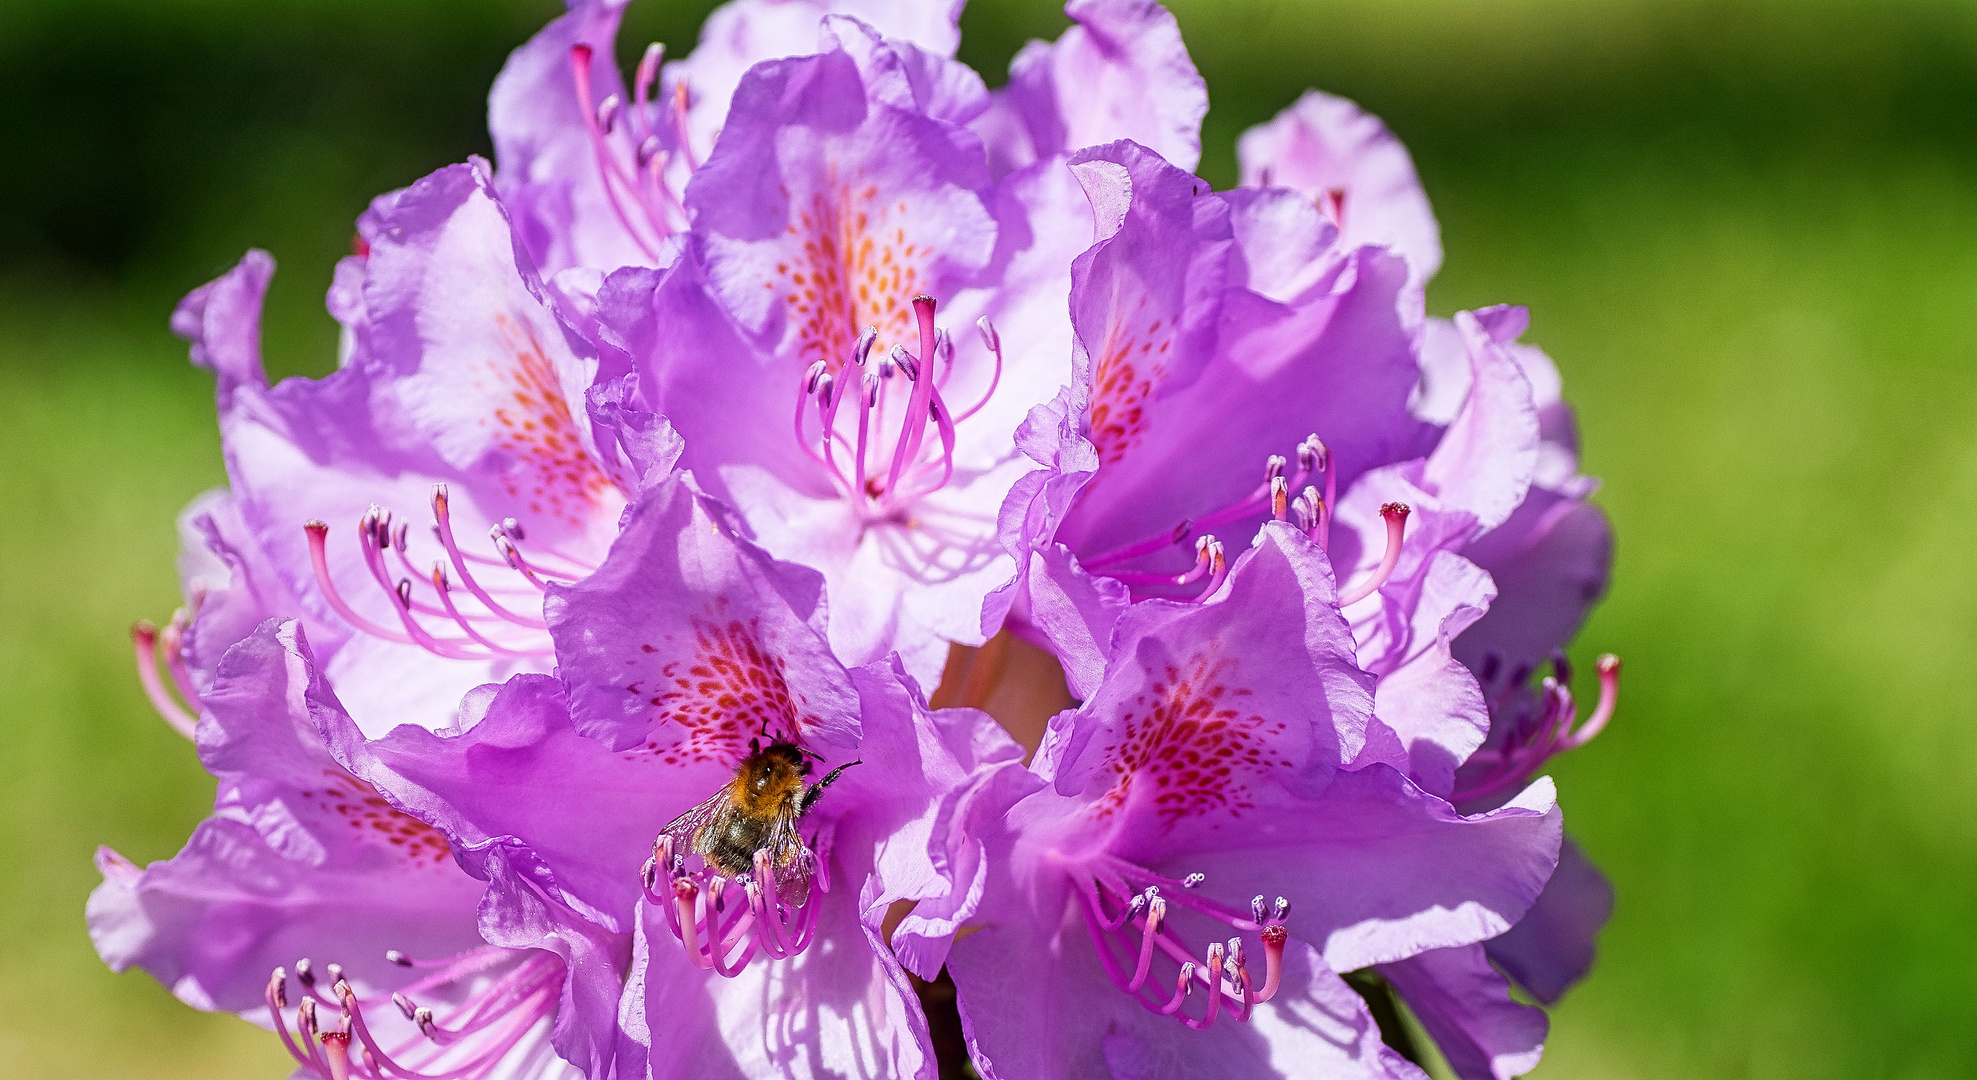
x,y
1311,454
278,988
648,148
607,112
1281,910
393,956
1193,880
943,345
811,377
866,339
423,1018
405,1005
404,592
1273,467
335,974
1279,496
905,362
304,973
1256,909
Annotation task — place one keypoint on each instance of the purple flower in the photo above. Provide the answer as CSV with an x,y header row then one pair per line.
x,y
1121,72
596,173
1215,761
844,224
1361,177
1435,434
688,654
456,392
310,904
652,775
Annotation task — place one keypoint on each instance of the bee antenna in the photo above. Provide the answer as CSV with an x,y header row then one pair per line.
x,y
755,746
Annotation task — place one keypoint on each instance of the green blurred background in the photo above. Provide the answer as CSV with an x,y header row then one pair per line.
x,y
1746,232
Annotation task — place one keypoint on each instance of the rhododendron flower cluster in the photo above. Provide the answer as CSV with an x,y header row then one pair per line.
x,y
800,527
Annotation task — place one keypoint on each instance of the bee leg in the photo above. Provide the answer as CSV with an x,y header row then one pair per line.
x,y
814,791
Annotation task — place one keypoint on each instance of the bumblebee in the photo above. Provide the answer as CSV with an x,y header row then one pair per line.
x,y
756,811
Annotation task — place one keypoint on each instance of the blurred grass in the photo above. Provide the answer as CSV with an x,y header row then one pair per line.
x,y
1747,231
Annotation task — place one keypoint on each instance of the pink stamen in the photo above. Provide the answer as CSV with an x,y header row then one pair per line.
x,y
445,591
443,520
804,390
909,470
1396,517
1183,987
1214,979
371,530
679,111
1156,910
648,73
319,559
991,341
725,937
1219,569
1204,563
144,643
1326,462
608,168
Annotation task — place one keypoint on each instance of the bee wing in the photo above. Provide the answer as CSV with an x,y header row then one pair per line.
x,y
692,831
789,860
